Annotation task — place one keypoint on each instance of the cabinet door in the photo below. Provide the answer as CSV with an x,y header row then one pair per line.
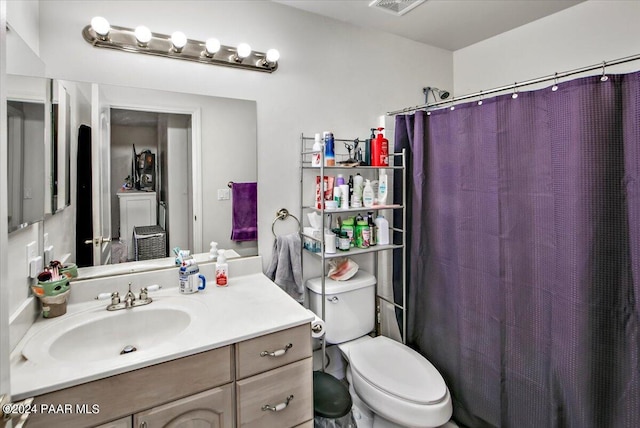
x,y
120,423
208,409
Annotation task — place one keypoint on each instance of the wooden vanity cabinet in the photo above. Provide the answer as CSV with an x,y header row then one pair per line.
x,y
274,379
222,388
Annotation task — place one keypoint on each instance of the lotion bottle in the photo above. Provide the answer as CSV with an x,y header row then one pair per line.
x,y
382,226
316,157
367,195
383,187
222,270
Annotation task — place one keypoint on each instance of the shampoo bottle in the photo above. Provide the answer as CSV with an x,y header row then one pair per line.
x,y
367,195
383,187
222,270
380,150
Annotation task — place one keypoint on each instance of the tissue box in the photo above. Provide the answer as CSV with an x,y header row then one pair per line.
x,y
311,244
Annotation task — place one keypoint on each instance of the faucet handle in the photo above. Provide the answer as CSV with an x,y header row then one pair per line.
x,y
145,290
115,297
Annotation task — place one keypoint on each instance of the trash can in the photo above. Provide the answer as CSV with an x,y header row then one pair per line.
x,y
331,402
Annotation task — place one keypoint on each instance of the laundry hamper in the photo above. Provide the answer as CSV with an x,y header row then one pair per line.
x,y
150,242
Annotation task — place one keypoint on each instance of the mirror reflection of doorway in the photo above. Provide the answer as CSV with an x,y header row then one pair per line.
x,y
168,137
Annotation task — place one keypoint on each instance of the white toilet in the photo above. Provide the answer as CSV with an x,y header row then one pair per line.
x,y
400,386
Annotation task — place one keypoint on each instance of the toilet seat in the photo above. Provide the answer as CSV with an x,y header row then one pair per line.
x,y
398,370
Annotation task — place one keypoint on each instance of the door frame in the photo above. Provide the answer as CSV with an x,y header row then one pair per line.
x,y
195,199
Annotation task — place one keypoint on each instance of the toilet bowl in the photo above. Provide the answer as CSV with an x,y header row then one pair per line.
x,y
400,386
397,385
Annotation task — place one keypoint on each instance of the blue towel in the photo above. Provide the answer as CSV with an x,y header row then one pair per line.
x,y
244,222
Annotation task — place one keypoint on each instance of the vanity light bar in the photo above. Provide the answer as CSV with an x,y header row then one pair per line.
x,y
178,47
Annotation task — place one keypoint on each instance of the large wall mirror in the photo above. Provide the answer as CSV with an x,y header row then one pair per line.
x,y
27,109
190,146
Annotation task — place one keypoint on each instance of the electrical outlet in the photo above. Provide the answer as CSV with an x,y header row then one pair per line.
x,y
224,194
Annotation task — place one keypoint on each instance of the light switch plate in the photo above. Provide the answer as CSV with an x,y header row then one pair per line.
x,y
224,194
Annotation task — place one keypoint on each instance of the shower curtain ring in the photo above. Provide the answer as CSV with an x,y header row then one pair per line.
x,y
604,77
480,100
515,90
555,82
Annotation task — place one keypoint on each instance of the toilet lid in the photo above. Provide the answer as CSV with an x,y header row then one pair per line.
x,y
398,370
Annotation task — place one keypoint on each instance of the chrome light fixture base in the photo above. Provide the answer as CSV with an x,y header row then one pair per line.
x,y
124,39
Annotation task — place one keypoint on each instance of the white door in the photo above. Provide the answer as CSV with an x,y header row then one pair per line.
x,y
101,176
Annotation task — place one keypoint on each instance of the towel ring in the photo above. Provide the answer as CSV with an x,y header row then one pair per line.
x,y
283,214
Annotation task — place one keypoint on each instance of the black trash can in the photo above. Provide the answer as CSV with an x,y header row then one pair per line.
x,y
331,402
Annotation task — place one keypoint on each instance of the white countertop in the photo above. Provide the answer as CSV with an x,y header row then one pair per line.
x,y
249,307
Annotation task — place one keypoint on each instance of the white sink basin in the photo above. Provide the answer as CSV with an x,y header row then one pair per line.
x,y
98,335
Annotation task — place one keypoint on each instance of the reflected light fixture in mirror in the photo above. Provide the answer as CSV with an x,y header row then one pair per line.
x,y
101,34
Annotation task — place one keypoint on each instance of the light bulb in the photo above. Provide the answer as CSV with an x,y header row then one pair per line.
x,y
179,40
100,26
212,46
244,50
273,55
143,34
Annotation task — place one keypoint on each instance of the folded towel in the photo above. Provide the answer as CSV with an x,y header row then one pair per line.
x,y
244,222
285,268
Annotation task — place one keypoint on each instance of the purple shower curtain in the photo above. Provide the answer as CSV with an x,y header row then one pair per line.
x,y
524,253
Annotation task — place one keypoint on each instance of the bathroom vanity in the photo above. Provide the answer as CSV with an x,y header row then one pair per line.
x,y
243,359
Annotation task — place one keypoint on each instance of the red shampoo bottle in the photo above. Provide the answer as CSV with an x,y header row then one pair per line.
x,y
380,150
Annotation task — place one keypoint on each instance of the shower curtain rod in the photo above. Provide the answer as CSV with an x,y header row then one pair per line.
x,y
515,85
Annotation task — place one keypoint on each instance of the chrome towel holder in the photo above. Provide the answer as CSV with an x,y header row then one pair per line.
x,y
283,214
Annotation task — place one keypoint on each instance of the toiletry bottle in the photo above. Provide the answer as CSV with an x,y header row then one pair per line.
x,y
329,154
347,227
383,187
367,195
373,229
363,233
383,230
380,150
222,270
316,157
367,147
356,201
213,250
339,180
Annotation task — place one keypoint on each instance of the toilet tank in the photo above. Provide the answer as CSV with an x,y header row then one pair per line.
x,y
349,308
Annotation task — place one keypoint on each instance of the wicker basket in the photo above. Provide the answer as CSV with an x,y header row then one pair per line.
x,y
150,242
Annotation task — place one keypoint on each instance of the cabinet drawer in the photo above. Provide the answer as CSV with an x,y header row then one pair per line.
x,y
273,388
272,350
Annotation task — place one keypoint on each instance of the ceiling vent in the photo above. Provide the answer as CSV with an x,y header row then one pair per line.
x,y
396,7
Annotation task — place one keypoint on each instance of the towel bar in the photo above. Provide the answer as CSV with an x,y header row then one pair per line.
x,y
283,214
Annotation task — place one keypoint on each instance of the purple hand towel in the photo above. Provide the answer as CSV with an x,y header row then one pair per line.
x,y
245,212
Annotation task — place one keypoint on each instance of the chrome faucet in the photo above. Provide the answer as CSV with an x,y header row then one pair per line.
x,y
129,300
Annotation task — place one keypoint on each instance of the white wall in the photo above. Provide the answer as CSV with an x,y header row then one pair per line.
x,y
585,34
331,76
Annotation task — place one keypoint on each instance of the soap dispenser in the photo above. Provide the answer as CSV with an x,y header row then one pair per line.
x,y
222,270
213,250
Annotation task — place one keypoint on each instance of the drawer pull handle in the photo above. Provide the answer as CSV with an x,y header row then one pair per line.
x,y
277,407
278,353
